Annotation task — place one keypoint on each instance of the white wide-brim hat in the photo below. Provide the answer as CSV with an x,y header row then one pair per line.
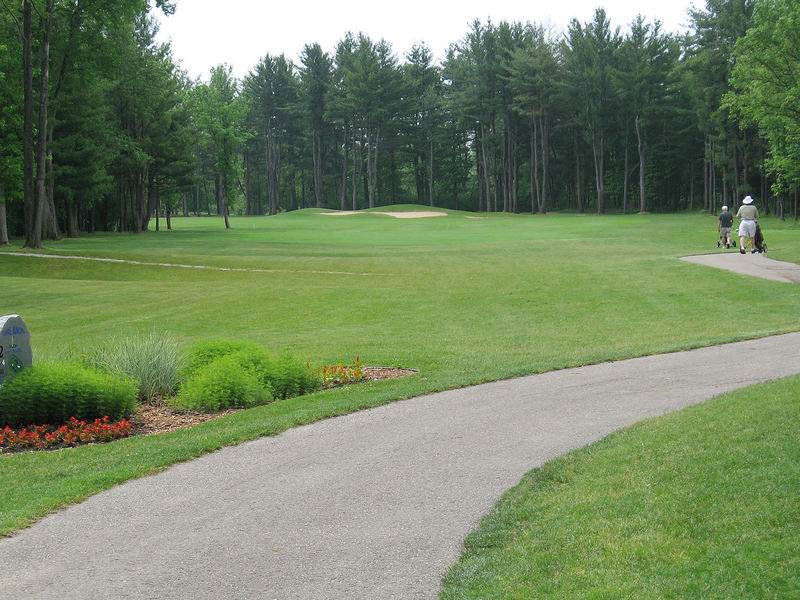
x,y
747,200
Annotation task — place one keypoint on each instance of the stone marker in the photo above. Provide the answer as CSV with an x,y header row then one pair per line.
x,y
15,346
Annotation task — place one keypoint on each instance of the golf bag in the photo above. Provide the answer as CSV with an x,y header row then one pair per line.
x,y
758,242
721,241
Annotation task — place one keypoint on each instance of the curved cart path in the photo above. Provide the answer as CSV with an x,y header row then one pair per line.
x,y
372,505
756,265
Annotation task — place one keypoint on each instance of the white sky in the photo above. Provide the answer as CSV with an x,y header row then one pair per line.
x,y
205,33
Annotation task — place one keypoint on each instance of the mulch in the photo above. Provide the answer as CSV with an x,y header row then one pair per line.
x,y
380,373
158,418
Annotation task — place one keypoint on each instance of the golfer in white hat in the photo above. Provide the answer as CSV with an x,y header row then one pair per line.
x,y
747,227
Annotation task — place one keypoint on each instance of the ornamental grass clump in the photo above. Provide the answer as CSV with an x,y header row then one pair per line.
x,y
153,361
52,393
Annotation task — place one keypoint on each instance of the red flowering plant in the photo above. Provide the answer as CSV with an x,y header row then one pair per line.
x,y
71,433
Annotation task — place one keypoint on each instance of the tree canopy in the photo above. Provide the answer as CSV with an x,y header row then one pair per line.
x,y
101,129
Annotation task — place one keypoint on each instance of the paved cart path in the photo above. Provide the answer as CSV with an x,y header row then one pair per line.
x,y
756,265
372,505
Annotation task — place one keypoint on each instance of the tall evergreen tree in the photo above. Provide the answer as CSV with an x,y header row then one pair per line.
x,y
315,82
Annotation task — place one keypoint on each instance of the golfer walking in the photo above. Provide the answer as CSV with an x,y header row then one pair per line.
x,y
747,227
725,223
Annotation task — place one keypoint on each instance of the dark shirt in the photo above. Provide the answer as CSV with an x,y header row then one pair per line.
x,y
726,219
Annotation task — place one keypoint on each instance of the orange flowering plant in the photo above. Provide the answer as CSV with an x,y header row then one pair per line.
x,y
341,374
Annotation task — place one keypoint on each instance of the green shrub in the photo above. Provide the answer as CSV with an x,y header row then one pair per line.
x,y
203,353
223,383
153,361
285,375
52,393
293,378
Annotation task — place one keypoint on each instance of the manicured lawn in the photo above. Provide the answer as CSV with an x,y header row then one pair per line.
x,y
462,299
698,504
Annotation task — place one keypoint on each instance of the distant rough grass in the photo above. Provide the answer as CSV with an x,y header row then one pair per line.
x,y
152,360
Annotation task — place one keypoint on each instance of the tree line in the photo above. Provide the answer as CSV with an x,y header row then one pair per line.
x,y
100,129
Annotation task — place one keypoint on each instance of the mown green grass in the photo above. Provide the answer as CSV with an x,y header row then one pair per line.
x,y
698,504
462,299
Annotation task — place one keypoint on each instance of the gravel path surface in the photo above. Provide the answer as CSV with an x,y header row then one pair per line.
x,y
123,261
372,505
756,265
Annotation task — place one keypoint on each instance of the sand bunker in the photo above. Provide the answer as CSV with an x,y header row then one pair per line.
x,y
417,214
755,265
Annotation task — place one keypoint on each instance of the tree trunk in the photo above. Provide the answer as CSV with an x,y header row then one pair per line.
x,y
392,176
157,196
535,167
3,225
169,219
123,204
625,177
481,175
706,177
357,160
223,203
365,175
29,204
343,189
73,229
642,149
147,200
514,174
273,166
317,159
736,175
141,198
372,166
35,239
293,205
545,135
712,205
599,170
725,188
578,177
51,228
487,172
248,184
430,169
505,162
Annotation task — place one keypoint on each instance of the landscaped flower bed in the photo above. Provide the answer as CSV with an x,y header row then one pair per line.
x,y
164,390
71,433
337,375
